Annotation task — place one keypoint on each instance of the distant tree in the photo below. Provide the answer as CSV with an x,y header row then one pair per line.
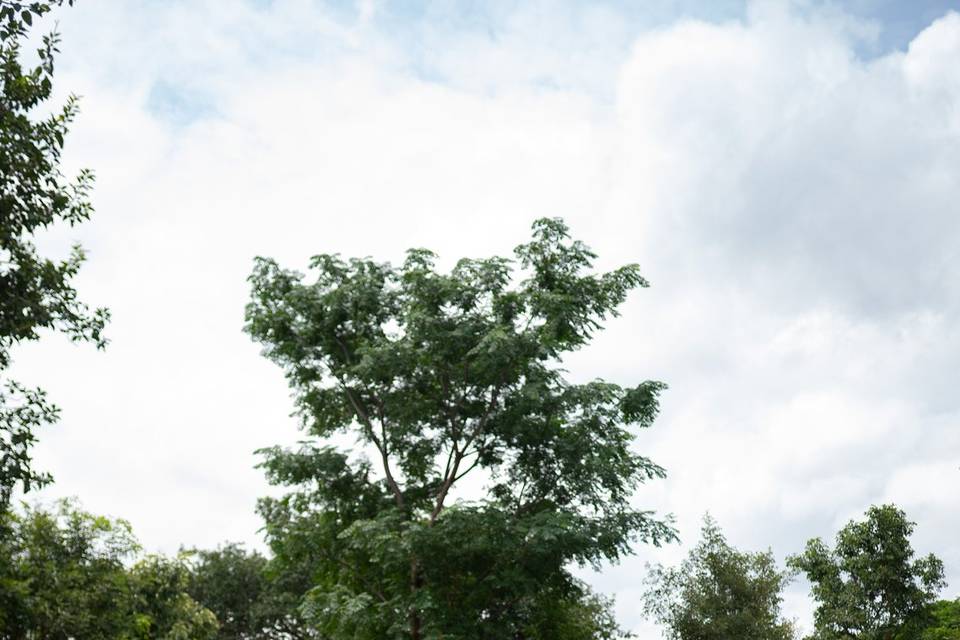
x,y
161,605
587,617
562,615
230,582
440,376
869,585
250,600
64,574
719,593
938,621
35,292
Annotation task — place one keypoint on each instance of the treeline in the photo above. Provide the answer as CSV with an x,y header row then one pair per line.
x,y
439,376
65,574
69,574
867,585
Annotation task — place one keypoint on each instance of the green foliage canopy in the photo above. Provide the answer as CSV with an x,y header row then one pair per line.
x,y
440,375
869,585
250,599
718,593
63,574
938,621
161,605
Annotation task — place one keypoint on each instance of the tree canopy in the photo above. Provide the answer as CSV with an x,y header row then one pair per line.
x,y
869,585
440,376
251,598
718,593
64,574
938,621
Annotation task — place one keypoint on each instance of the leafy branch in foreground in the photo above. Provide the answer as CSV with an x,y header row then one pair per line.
x,y
36,293
16,16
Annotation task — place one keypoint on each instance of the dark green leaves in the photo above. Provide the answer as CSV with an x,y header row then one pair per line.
x,y
22,411
570,303
249,600
937,621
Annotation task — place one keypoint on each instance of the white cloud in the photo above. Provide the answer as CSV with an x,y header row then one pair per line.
x,y
792,204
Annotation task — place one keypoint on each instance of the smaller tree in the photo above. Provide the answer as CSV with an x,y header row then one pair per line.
x,y
939,621
64,574
719,593
161,606
869,585
249,596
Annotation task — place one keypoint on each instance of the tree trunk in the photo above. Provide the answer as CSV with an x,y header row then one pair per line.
x,y
415,583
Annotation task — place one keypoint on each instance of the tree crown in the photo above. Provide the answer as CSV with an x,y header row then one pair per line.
x,y
719,592
439,375
869,584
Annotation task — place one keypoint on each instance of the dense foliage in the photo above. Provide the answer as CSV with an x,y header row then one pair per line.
x,y
869,585
35,292
64,574
718,593
250,597
439,375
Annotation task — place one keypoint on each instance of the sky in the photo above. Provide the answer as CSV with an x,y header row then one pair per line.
x,y
785,173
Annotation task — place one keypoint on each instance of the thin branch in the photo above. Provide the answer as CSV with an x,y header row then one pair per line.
x,y
446,468
381,413
473,464
380,445
451,475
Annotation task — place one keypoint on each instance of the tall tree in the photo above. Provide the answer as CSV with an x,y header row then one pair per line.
x,y
869,585
35,292
444,378
719,593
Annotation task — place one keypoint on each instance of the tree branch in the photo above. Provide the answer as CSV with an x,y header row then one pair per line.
x,y
381,445
451,475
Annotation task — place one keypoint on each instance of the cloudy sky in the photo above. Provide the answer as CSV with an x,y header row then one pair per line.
x,y
785,174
